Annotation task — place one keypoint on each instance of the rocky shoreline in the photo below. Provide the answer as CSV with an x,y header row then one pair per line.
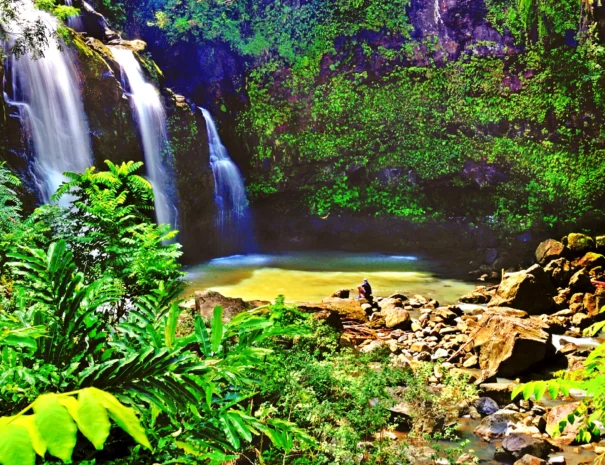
x,y
525,328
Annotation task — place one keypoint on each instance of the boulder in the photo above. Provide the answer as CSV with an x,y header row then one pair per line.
x,y
530,460
556,416
479,296
205,301
486,406
397,318
548,250
560,271
590,260
518,444
600,243
579,243
581,282
497,425
342,294
529,290
499,392
508,345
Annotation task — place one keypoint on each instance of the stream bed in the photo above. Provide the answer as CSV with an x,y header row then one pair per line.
x,y
313,276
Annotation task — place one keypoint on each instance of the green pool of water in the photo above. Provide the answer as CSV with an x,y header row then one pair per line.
x,y
313,276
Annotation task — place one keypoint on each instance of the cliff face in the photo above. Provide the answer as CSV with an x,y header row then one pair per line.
x,y
394,122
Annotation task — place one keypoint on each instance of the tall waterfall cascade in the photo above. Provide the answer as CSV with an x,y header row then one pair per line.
x,y
151,120
233,215
47,94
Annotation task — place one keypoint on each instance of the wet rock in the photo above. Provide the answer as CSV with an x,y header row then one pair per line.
x,y
508,345
579,243
205,301
581,282
443,315
600,243
581,320
558,414
592,304
397,318
497,425
518,445
530,460
466,459
342,294
486,406
419,346
560,271
479,296
529,290
548,250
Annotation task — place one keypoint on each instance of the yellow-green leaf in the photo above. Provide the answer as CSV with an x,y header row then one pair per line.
x,y
125,418
29,422
16,446
56,426
94,422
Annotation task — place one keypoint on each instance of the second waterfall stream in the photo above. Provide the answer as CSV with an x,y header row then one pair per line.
x,y
233,221
151,120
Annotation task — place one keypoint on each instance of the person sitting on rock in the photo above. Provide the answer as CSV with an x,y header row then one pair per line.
x,y
364,291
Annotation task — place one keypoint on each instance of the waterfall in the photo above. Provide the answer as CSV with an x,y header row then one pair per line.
x,y
151,119
233,215
75,22
47,94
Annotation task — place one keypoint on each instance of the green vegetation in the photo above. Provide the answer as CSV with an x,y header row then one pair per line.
x,y
507,134
92,334
591,379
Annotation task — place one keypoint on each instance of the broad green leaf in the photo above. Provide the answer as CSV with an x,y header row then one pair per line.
x,y
29,422
125,418
202,336
94,422
217,329
16,446
240,426
56,426
230,432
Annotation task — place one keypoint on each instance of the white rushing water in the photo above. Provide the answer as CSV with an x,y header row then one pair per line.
x,y
46,91
233,217
151,119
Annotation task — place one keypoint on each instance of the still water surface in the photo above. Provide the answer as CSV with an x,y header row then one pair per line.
x,y
313,276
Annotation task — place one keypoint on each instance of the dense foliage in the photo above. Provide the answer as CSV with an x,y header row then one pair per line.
x,y
92,329
353,110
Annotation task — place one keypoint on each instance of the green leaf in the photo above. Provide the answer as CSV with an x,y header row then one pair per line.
x,y
56,426
528,390
29,421
517,390
125,418
93,419
202,336
217,329
553,390
240,426
16,446
539,390
230,432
